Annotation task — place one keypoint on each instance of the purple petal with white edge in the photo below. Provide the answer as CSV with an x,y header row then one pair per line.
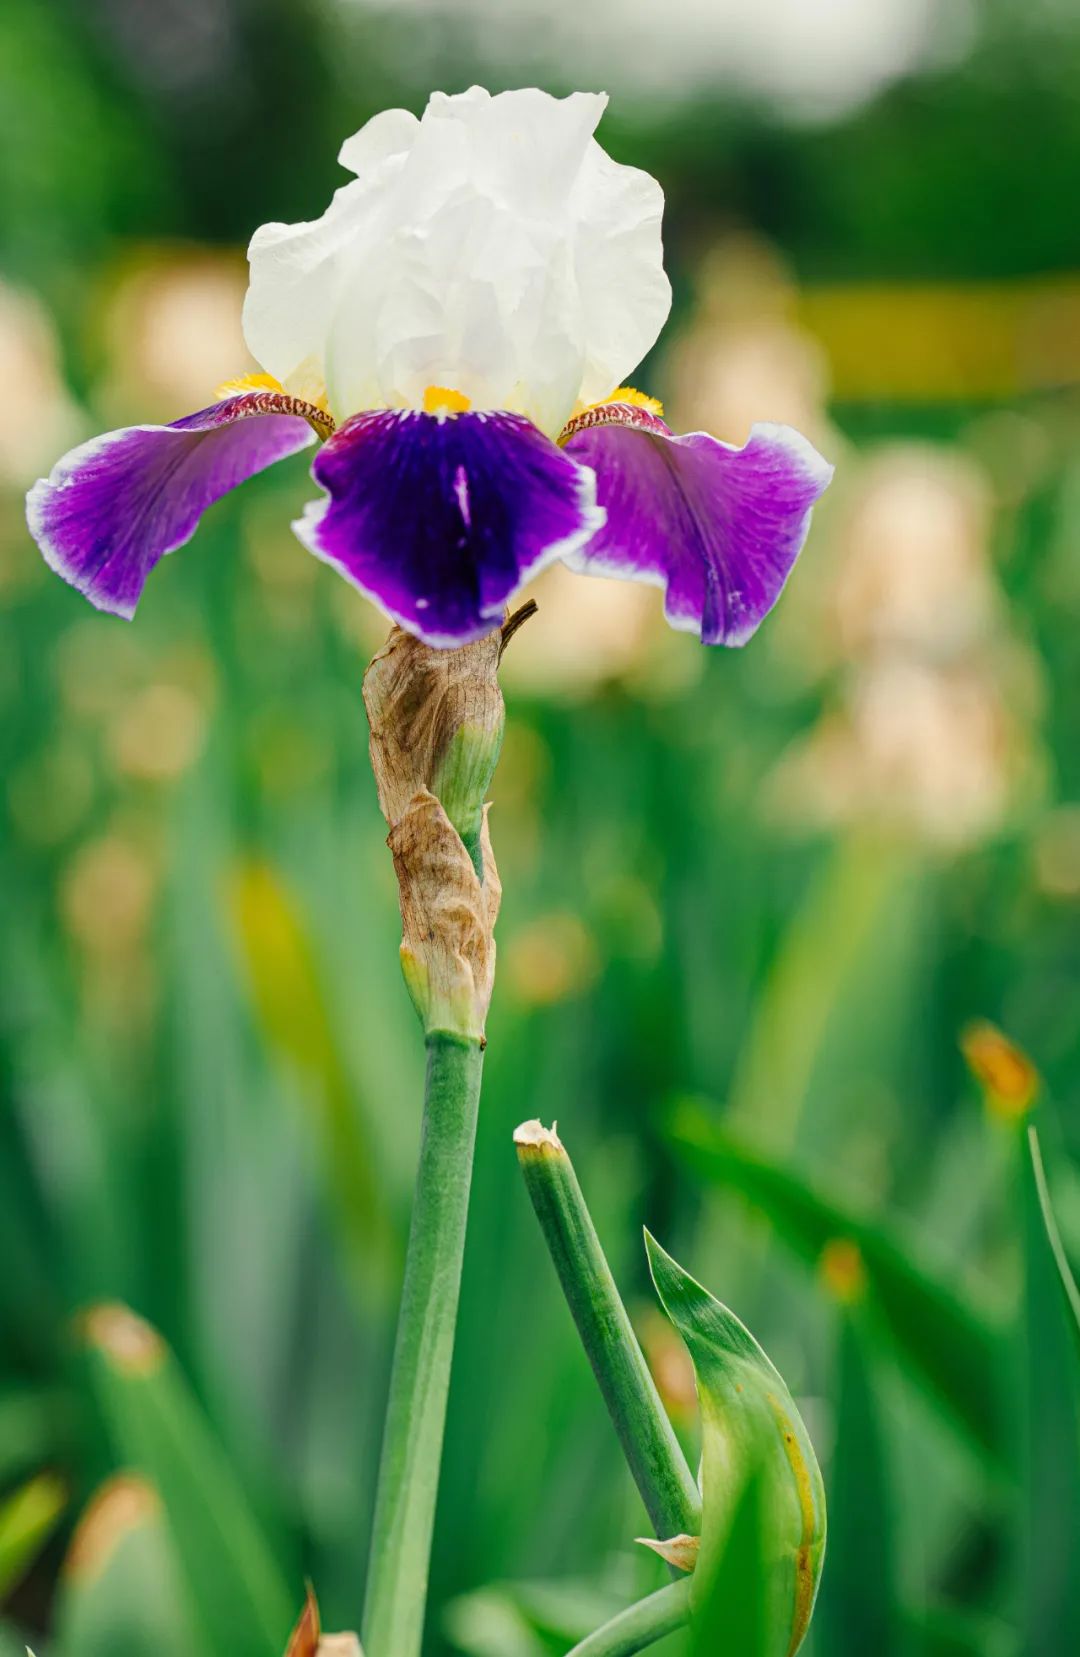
x,y
441,518
113,507
718,528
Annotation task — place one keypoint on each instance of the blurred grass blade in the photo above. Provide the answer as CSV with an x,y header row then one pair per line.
x,y
528,1619
27,1519
1050,1431
292,1008
955,1348
756,1455
640,1625
1053,1235
239,1594
120,1593
858,1611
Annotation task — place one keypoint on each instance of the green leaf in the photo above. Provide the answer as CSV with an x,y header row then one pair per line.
x,y
238,1592
751,1430
27,1519
955,1349
121,1594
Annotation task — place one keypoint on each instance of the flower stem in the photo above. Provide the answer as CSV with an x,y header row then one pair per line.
x,y
420,1377
656,1460
640,1626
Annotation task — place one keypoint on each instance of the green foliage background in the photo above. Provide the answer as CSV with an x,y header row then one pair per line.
x,y
746,1024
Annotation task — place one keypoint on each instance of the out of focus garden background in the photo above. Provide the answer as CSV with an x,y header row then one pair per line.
x,y
753,899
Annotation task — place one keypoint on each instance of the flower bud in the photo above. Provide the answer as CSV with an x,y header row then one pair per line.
x,y
751,1431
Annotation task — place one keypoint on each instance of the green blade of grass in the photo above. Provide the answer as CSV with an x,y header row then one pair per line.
x,y
27,1519
955,1348
238,1592
1053,1235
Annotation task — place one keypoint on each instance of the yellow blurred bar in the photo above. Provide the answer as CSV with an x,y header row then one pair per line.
x,y
941,342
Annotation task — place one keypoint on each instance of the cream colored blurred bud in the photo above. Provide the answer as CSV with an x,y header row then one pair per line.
x,y
913,547
37,416
745,357
106,895
159,733
437,720
931,735
172,329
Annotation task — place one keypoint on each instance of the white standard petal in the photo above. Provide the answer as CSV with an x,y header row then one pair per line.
x,y
625,293
491,247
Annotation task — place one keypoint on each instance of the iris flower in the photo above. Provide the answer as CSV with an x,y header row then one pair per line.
x,y
449,333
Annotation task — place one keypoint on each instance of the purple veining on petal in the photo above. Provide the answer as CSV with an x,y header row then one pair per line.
x,y
718,528
113,507
440,519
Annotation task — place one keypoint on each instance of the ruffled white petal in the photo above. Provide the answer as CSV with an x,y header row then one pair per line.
x,y
491,247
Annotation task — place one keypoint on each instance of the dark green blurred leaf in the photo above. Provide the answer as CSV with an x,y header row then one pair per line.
x,y
954,1347
239,1594
858,1612
958,1634
1050,1433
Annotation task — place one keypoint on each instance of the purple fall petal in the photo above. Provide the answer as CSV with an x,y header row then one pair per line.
x,y
718,528
440,519
113,507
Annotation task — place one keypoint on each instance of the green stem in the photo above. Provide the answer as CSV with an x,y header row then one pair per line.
x,y
642,1625
655,1457
420,1378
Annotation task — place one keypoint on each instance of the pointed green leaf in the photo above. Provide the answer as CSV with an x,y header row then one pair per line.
x,y
751,1429
956,1349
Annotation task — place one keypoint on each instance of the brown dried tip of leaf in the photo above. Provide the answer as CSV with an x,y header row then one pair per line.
x,y
118,1507
680,1551
125,1339
416,699
1009,1080
308,1640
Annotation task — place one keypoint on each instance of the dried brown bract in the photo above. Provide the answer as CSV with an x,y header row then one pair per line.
x,y
437,720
